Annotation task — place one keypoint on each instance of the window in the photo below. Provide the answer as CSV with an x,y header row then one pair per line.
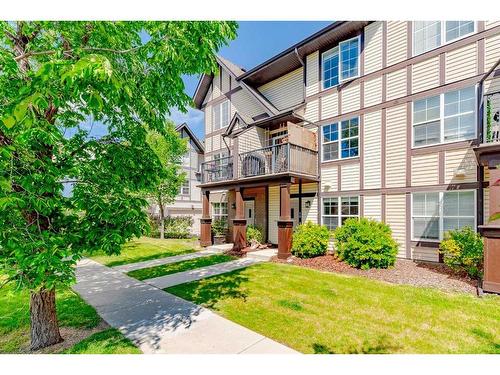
x,y
428,35
184,190
219,210
341,63
345,140
221,115
333,216
448,117
433,214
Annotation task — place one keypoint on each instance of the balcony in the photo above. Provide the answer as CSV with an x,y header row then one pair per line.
x,y
281,159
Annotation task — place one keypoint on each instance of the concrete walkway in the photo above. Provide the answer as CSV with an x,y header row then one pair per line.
x,y
167,281
159,322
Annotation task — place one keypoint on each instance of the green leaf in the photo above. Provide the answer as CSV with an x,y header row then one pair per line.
x,y
9,122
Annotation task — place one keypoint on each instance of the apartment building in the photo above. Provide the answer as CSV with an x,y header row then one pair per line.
x,y
396,121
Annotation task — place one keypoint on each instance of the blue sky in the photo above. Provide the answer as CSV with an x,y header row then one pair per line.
x,y
256,42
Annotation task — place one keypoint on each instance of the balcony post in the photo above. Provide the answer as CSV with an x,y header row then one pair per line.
x,y
236,159
285,223
205,221
239,222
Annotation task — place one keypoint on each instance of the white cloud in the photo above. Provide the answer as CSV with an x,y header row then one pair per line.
x,y
193,117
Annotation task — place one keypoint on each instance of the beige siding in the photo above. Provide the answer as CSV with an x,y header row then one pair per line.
x,y
396,146
461,63
329,178
396,41
490,24
396,84
373,47
308,214
285,91
460,166
246,104
208,119
274,213
373,92
372,154
396,219
350,98
330,105
372,207
424,170
208,97
427,254
312,78
252,139
312,111
225,81
349,175
425,75
492,51
216,89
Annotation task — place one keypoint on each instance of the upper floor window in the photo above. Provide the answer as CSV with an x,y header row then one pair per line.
x,y
428,35
221,115
184,190
445,118
341,139
341,63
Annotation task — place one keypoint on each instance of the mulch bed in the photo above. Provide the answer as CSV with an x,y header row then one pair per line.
x,y
405,271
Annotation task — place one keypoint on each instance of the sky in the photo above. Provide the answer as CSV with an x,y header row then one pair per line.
x,y
256,42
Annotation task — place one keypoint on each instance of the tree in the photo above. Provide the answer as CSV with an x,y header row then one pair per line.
x,y
53,76
169,148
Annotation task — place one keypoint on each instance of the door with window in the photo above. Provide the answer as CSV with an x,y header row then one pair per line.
x,y
250,212
294,211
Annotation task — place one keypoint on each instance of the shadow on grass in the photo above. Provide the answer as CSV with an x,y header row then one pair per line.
x,y
110,341
488,339
208,292
381,345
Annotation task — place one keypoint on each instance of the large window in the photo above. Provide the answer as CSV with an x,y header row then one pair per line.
x,y
445,118
336,210
341,63
221,115
433,214
219,210
341,140
428,35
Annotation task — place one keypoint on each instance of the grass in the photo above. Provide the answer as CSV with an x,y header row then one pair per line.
x,y
146,248
72,312
110,341
186,265
319,312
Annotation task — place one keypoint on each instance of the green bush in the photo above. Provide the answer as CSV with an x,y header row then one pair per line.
x,y
219,227
463,251
365,244
178,226
310,240
254,233
153,230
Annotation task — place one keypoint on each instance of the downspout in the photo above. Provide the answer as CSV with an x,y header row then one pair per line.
x,y
301,61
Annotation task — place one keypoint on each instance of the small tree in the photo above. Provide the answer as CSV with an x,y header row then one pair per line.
x,y
169,148
54,75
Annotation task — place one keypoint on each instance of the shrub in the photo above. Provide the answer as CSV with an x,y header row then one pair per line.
x,y
463,251
219,227
365,244
254,233
178,226
310,240
153,230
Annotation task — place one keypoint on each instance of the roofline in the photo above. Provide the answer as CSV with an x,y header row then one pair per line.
x,y
192,135
291,49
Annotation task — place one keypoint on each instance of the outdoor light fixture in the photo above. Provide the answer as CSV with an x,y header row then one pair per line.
x,y
308,204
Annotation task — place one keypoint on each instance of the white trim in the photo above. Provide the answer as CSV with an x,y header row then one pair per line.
x,y
322,70
339,203
339,140
339,68
219,105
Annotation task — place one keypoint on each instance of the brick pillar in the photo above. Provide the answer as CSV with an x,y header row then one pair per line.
x,y
206,221
239,222
491,233
285,223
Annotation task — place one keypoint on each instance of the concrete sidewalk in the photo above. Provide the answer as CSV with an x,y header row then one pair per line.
x,y
159,322
167,281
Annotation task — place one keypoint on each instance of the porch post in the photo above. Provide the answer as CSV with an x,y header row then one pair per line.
x,y
239,222
285,223
205,221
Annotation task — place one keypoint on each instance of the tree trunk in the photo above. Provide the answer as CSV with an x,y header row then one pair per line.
x,y
44,328
162,218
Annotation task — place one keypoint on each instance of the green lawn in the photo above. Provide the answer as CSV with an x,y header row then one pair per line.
x,y
72,311
319,312
186,265
146,248
110,341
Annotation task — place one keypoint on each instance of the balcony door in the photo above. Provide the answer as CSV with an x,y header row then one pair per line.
x,y
277,152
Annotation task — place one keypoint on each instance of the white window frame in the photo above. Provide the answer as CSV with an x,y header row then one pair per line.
x,y
340,139
339,202
220,106
183,186
441,213
218,216
443,37
441,120
338,46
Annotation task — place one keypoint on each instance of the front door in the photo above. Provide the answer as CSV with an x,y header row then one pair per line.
x,y
294,211
250,212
